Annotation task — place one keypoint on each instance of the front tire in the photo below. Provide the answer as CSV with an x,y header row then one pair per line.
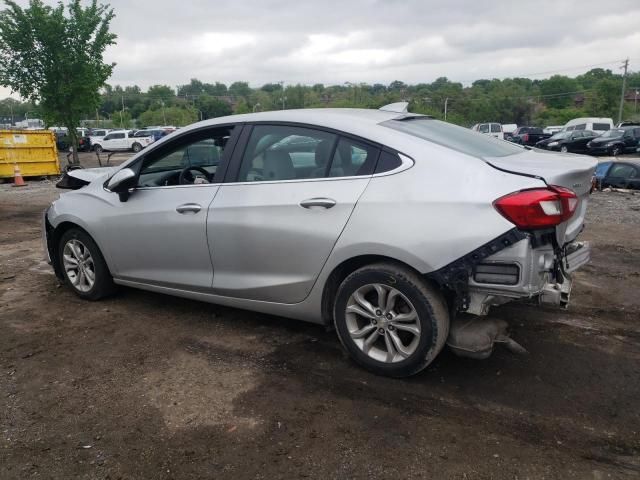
x,y
83,265
616,150
564,149
390,320
136,147
98,149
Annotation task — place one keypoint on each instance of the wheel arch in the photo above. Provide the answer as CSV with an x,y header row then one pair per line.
x,y
53,239
350,265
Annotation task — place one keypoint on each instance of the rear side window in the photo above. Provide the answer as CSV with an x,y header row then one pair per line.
x,y
388,161
353,158
276,152
451,136
483,128
601,126
582,126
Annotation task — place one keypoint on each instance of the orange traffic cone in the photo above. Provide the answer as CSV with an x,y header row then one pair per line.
x,y
18,181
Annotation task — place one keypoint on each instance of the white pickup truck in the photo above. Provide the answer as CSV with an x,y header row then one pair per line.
x,y
121,140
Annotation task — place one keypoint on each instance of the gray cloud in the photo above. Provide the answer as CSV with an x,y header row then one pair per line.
x,y
332,41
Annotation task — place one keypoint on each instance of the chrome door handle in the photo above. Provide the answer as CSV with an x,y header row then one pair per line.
x,y
318,202
188,208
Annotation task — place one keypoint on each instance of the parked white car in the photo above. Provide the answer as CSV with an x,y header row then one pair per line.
x,y
595,124
96,135
121,140
493,129
552,129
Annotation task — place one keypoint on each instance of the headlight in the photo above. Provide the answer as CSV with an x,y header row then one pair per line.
x,y
552,144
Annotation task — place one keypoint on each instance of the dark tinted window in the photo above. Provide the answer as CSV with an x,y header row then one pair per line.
x,y
388,161
582,126
454,137
623,171
483,128
277,152
353,158
601,126
496,128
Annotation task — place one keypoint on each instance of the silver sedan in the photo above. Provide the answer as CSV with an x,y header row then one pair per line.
x,y
394,227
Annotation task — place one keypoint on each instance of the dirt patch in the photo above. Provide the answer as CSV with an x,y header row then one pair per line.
x,y
148,386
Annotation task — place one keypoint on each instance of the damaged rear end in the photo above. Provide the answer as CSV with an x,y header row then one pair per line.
x,y
536,259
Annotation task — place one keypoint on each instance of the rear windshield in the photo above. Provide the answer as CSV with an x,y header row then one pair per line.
x,y
454,137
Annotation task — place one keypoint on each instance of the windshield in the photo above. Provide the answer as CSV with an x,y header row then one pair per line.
x,y
454,137
612,134
560,136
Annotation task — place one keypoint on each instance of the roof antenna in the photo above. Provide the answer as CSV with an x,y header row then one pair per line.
x,y
398,107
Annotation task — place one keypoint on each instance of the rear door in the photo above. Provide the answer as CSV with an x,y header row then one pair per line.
x,y
273,226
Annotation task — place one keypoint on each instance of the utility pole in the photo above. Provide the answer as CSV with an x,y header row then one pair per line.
x,y
122,112
283,97
624,87
446,104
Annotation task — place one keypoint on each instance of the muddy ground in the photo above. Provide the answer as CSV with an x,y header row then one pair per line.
x,y
147,386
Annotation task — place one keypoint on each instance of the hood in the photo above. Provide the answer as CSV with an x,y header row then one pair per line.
x,y
600,140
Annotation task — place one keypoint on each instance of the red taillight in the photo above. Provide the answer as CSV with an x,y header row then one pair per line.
x,y
538,208
525,137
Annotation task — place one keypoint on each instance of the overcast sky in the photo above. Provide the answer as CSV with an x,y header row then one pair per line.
x,y
372,41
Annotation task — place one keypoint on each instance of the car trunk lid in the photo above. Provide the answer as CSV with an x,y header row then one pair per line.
x,y
565,170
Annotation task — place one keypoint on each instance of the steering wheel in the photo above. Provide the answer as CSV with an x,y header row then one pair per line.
x,y
186,178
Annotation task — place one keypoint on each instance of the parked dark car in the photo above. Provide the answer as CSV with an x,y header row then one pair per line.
x,y
528,136
574,141
618,174
615,142
63,142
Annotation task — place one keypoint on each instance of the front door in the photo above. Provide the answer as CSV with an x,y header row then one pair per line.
x,y
158,235
273,228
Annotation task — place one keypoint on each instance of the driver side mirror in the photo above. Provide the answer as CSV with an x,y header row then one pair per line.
x,y
121,182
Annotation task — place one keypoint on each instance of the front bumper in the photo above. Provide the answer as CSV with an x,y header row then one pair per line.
x,y
600,150
44,224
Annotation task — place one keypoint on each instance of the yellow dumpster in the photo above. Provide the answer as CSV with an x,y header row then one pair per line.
x,y
34,151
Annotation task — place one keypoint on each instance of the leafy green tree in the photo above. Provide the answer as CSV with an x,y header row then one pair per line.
x,y
558,91
161,93
169,116
53,56
240,89
212,107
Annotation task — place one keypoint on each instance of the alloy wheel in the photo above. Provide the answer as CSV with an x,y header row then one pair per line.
x,y
383,323
78,265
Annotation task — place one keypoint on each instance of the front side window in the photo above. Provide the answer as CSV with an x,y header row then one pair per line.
x,y
582,126
276,152
496,128
191,159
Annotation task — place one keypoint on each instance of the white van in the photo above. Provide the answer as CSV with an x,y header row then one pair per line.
x,y
493,129
595,124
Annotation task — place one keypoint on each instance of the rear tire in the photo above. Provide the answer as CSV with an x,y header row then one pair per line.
x,y
83,266
390,320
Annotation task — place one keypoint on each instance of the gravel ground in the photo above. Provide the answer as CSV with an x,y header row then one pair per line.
x,y
147,386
